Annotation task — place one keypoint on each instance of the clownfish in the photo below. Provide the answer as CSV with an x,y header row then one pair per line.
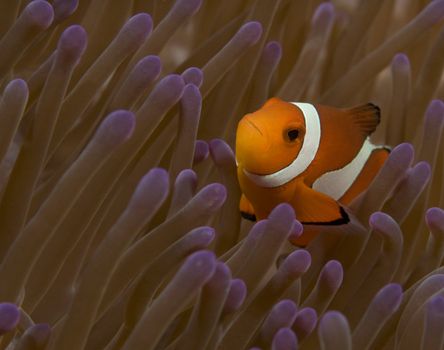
x,y
314,157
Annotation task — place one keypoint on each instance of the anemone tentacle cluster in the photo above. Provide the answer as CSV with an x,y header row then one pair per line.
x,y
119,220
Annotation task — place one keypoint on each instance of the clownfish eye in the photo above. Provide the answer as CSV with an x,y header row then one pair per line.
x,y
291,135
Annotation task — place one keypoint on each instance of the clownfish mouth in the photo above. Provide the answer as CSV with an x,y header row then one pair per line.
x,y
249,173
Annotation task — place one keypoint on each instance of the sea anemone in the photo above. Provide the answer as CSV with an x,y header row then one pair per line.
x,y
119,219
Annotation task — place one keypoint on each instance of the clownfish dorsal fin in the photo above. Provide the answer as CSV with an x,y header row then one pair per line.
x,y
366,117
315,208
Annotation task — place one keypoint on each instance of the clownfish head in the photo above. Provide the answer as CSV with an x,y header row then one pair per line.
x,y
269,140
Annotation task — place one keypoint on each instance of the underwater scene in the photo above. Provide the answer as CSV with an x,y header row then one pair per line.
x,y
239,174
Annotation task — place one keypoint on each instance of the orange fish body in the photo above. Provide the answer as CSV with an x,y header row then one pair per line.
x,y
311,156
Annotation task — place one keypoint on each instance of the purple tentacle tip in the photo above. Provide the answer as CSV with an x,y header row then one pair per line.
x,y
283,216
297,263
297,230
423,170
201,151
139,27
271,54
236,295
201,265
435,305
193,76
305,322
185,8
434,12
39,334
402,153
40,13
154,184
171,87
192,99
401,60
221,152
187,176
435,219
274,49
285,339
9,317
221,277
251,31
149,67
16,87
332,274
323,12
73,41
381,221
284,311
389,298
281,315
64,8
435,113
156,173
118,125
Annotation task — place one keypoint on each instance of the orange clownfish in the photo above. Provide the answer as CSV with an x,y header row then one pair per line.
x,y
314,157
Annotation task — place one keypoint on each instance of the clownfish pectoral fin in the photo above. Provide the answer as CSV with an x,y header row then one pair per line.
x,y
366,117
246,209
315,208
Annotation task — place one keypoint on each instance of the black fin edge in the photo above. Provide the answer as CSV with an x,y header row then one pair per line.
x,y
344,219
248,216
377,109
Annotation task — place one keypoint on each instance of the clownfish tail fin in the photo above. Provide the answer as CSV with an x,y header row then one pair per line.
x,y
366,117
